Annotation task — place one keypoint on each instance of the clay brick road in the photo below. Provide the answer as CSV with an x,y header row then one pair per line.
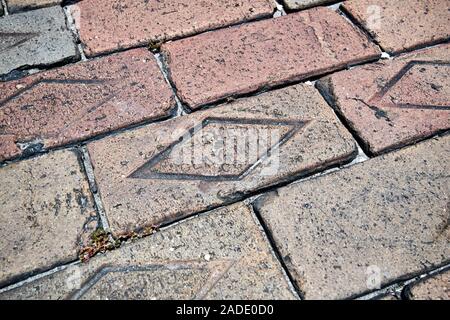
x,y
251,149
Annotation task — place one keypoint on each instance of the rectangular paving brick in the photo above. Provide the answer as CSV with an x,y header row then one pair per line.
x,y
303,4
20,5
395,102
45,209
126,23
365,226
79,101
220,255
35,38
434,288
169,170
245,58
402,24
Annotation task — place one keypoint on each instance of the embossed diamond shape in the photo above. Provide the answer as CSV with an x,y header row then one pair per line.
x,y
9,40
428,93
219,149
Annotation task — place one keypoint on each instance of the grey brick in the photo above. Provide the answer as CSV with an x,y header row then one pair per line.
x,y
34,38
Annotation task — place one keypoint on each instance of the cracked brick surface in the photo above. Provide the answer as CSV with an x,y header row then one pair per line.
x,y
127,23
348,232
219,255
35,38
395,102
166,171
245,58
80,101
403,24
20,5
45,210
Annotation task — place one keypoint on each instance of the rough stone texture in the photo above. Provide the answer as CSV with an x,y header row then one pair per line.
x,y
396,102
303,4
158,173
385,219
79,101
402,24
219,255
45,207
35,38
122,24
435,288
242,59
19,5
1,10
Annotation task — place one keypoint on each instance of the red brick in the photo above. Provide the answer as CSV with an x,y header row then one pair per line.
x,y
242,59
126,23
79,101
403,24
396,102
361,228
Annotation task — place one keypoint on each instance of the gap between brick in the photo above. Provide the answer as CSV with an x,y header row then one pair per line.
x,y
398,288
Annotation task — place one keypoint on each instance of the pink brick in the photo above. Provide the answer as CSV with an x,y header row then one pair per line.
x,y
395,102
80,101
245,58
106,25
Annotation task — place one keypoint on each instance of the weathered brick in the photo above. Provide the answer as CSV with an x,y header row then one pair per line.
x,y
220,255
434,288
80,101
45,208
347,232
19,5
35,38
396,102
402,24
169,170
127,23
242,59
303,4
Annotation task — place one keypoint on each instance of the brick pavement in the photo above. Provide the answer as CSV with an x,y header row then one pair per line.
x,y
79,101
396,102
239,60
124,24
282,156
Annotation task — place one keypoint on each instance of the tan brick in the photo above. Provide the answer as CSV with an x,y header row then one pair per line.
x,y
245,58
365,226
403,24
45,208
122,24
80,101
395,102
175,168
219,255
